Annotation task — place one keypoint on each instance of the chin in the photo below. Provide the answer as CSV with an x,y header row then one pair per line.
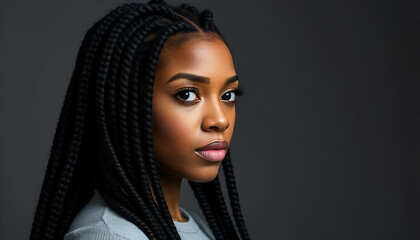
x,y
203,175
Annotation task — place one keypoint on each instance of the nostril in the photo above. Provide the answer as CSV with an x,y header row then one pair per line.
x,y
215,121
215,127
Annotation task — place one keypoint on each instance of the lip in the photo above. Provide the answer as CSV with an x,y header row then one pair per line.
x,y
215,145
214,151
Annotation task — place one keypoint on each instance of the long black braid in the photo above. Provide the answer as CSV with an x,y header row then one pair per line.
x,y
104,135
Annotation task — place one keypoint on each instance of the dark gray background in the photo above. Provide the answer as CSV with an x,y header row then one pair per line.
x,y
327,141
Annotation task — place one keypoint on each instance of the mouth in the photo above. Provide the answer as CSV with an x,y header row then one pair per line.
x,y
214,151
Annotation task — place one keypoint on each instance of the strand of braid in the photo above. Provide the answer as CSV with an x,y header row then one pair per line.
x,y
101,82
212,212
212,203
215,226
217,201
120,70
234,196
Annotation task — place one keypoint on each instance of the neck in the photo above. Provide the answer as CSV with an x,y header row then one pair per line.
x,y
171,188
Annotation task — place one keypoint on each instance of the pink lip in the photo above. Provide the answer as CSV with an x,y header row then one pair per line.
x,y
216,145
214,152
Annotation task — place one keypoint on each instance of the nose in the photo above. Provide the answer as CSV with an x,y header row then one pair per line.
x,y
214,118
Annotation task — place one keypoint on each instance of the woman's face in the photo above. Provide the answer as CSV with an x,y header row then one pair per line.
x,y
193,106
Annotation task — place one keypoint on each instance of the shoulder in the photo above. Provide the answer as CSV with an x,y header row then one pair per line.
x,y
203,231
98,231
96,221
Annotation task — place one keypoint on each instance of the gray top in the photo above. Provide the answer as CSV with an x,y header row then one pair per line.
x,y
96,221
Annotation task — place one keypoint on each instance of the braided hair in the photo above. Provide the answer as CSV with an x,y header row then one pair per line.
x,y
104,134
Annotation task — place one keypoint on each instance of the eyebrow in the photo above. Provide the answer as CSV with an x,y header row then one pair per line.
x,y
201,79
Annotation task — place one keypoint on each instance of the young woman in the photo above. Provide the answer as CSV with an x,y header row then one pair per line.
x,y
151,102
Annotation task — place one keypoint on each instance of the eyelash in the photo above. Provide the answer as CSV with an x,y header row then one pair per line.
x,y
238,92
187,89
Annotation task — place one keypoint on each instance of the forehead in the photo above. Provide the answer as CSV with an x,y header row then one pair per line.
x,y
205,57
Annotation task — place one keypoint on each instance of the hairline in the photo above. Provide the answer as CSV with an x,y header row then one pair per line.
x,y
175,41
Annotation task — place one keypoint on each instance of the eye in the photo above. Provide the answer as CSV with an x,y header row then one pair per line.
x,y
188,95
232,95
229,96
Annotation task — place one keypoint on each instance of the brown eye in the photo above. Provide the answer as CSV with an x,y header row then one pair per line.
x,y
229,96
187,95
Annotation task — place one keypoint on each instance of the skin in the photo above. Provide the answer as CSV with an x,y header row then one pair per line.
x,y
181,127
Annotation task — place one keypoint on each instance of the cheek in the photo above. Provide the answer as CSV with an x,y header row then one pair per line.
x,y
169,127
172,130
